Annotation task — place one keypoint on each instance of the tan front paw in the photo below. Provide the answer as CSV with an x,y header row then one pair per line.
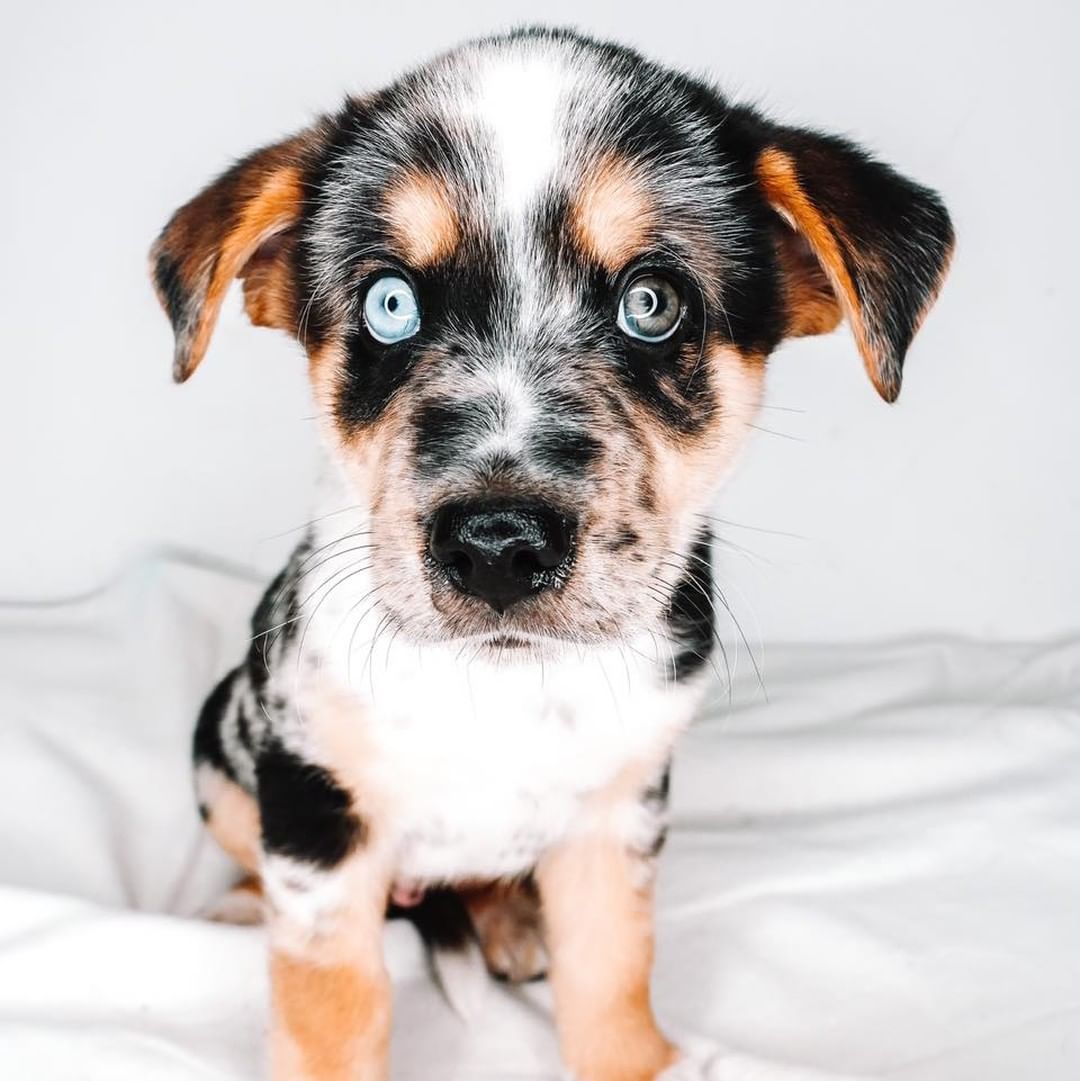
x,y
639,1056
506,917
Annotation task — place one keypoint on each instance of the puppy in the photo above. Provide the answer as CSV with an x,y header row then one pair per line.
x,y
536,281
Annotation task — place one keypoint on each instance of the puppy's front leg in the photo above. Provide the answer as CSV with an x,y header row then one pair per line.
x,y
596,895
329,986
327,886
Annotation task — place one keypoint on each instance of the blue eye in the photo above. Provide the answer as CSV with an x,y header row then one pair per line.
x,y
650,309
390,310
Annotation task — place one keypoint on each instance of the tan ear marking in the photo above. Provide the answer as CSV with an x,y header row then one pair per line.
x,y
612,217
809,300
271,211
779,179
881,242
211,239
422,219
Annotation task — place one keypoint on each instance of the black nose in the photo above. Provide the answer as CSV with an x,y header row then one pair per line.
x,y
501,553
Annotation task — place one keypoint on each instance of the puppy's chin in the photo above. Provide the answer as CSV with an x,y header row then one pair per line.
x,y
509,638
528,634
546,626
513,647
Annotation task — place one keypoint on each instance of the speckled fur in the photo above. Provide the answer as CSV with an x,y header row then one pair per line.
x,y
391,738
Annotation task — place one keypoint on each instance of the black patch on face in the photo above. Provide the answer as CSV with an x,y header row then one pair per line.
x,y
566,451
306,815
207,748
373,375
690,614
458,298
441,435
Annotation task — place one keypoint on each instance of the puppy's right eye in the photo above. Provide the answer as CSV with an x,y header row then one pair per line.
x,y
391,311
650,308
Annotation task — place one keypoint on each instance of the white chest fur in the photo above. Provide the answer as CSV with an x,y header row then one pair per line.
x,y
490,764
476,766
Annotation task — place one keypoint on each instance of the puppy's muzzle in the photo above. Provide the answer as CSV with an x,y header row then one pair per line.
x,y
501,553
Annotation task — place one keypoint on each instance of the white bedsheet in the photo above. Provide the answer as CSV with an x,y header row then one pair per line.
x,y
875,873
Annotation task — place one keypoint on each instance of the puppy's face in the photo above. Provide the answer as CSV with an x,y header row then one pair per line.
x,y
537,281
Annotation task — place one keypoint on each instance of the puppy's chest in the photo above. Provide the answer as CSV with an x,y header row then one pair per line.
x,y
478,771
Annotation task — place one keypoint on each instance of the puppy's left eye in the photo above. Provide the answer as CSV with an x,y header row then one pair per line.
x,y
391,311
650,308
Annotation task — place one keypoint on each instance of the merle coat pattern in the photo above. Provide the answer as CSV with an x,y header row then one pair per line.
x,y
536,282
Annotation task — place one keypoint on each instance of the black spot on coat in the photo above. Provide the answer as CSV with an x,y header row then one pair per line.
x,y
207,748
306,814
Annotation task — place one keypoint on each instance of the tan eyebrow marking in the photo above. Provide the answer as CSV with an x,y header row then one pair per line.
x,y
422,219
612,217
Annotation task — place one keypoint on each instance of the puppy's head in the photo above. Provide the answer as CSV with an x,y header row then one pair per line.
x,y
537,281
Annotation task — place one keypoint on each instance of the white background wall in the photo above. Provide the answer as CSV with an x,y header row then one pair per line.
x,y
956,510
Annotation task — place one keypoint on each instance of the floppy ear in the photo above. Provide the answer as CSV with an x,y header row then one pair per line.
x,y
857,240
237,227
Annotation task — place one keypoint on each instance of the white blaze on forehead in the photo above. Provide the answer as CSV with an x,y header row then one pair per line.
x,y
519,100
516,412
514,393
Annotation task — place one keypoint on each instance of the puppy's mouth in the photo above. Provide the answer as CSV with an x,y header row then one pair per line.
x,y
512,645
508,641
